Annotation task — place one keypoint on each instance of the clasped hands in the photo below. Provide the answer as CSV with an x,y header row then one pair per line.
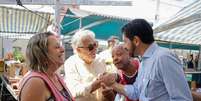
x,y
105,81
108,79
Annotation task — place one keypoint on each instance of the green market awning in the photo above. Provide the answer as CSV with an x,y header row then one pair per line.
x,y
103,26
174,45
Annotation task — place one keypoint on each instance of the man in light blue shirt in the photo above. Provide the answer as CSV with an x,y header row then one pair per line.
x,y
160,77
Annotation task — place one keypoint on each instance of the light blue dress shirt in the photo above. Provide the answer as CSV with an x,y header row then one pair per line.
x,y
160,78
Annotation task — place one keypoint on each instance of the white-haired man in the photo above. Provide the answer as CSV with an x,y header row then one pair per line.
x,y
83,68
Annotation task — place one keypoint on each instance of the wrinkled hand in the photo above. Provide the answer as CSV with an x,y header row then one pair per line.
x,y
95,85
108,78
108,93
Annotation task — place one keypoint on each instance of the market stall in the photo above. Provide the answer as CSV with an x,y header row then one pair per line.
x,y
184,27
13,73
17,24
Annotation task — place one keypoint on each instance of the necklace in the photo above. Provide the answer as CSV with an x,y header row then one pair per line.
x,y
131,75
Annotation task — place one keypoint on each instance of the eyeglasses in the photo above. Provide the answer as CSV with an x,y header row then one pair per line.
x,y
91,46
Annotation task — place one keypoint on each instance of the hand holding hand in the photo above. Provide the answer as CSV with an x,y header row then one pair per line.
x,y
95,85
108,78
108,93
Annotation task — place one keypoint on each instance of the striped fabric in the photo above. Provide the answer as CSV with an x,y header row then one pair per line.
x,y
17,35
17,23
184,27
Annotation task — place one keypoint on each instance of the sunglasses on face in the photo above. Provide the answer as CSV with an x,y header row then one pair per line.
x,y
91,47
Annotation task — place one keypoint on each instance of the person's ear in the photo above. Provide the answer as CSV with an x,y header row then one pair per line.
x,y
136,40
78,49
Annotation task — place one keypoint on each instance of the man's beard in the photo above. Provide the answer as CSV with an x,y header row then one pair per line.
x,y
133,49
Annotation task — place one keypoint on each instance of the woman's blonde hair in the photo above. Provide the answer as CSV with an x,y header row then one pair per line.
x,y
37,52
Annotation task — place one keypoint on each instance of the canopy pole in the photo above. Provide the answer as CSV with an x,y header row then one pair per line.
x,y
199,60
57,16
170,45
157,11
80,22
2,53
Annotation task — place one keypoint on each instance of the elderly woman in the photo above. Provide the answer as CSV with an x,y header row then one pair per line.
x,y
45,55
83,68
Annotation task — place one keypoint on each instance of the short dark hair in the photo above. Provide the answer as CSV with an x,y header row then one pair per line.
x,y
140,28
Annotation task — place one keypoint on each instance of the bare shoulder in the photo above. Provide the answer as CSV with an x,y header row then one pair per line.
x,y
34,90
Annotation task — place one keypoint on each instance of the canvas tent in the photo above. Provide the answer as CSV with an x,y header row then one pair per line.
x,y
21,23
104,26
17,25
184,27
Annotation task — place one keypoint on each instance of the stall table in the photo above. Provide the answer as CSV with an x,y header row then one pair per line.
x,y
6,90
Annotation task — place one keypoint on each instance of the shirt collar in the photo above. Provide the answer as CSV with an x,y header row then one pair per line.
x,y
150,50
79,59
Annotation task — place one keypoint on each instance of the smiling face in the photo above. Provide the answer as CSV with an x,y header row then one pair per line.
x,y
55,50
87,51
120,57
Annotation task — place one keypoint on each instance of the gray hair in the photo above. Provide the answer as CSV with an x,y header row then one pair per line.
x,y
79,35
